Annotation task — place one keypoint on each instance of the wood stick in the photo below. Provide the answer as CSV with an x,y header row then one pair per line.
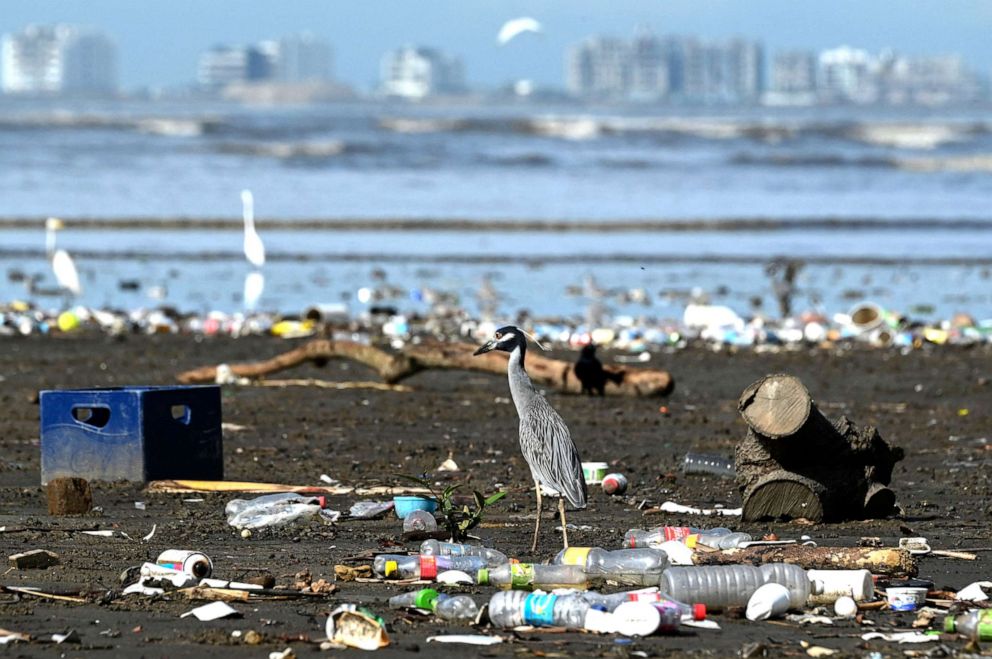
x,y
888,562
394,367
248,487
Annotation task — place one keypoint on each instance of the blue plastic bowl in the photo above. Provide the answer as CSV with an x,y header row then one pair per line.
x,y
406,505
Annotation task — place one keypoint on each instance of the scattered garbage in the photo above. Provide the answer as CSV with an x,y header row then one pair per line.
x,y
354,627
594,472
493,557
369,509
717,538
975,625
905,599
272,510
406,504
189,562
531,576
35,559
708,464
615,484
419,521
467,639
632,567
213,611
771,600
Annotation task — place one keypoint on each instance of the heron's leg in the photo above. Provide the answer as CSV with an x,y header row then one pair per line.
x,y
537,524
564,528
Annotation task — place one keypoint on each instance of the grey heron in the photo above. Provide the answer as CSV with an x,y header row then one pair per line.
x,y
545,442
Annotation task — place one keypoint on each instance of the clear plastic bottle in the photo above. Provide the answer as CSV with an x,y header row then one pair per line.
x,y
793,577
631,567
655,537
708,464
718,540
460,608
419,520
527,576
716,586
436,548
421,599
272,510
397,566
976,624
513,608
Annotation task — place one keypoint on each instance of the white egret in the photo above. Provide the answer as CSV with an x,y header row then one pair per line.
x,y
254,249
62,264
514,27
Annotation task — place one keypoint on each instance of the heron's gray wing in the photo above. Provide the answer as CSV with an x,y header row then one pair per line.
x,y
548,449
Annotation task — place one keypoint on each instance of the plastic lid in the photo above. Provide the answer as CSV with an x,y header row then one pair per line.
x,y
425,598
636,619
482,576
699,612
950,625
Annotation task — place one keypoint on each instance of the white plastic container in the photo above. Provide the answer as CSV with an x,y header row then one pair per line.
x,y
594,472
827,586
769,601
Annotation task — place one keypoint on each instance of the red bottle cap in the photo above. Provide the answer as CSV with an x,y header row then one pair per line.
x,y
428,567
699,612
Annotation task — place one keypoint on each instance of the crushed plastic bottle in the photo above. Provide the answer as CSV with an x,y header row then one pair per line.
x,y
656,537
273,510
396,566
509,609
420,599
419,520
436,548
708,464
975,625
651,596
459,608
631,567
528,576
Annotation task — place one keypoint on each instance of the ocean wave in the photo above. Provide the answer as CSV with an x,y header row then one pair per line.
x,y
168,126
289,150
812,160
519,160
963,164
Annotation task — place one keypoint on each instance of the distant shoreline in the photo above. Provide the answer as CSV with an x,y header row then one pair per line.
x,y
728,225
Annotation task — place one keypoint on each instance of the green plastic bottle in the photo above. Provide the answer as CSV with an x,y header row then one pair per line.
x,y
976,625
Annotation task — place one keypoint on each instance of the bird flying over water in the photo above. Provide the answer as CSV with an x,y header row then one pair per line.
x,y
517,26
545,442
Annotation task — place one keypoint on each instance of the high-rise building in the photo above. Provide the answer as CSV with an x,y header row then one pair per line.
x,y
794,72
59,59
303,58
649,68
225,65
415,73
847,75
599,67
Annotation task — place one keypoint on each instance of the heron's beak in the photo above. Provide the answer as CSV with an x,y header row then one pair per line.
x,y
489,345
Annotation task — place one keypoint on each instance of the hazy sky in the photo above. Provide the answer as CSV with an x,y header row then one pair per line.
x,y
159,40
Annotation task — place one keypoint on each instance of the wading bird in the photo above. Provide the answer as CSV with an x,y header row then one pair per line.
x,y
254,252
62,264
544,438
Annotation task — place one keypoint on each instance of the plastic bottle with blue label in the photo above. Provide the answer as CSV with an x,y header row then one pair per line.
x,y
493,557
508,609
630,567
397,566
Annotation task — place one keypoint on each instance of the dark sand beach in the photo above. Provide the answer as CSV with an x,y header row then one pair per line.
x,y
932,402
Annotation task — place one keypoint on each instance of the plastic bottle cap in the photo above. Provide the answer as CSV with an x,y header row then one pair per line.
x,y
425,598
322,500
950,625
482,576
699,612
636,619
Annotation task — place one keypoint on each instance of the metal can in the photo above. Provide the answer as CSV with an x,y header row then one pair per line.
x,y
614,483
193,563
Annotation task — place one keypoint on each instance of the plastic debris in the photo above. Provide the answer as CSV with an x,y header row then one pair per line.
x,y
901,637
356,628
212,611
974,592
369,509
466,639
672,507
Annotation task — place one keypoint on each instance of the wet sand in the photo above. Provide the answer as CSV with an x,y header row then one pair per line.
x,y
933,403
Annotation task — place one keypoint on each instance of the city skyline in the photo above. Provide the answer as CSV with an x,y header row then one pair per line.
x,y
159,45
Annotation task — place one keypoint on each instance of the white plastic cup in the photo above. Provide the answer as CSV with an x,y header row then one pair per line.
x,y
905,599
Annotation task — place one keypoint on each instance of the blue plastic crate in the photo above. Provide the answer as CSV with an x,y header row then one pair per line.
x,y
132,433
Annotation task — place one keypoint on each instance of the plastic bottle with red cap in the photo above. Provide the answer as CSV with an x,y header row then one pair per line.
x,y
493,557
654,596
718,538
397,566
631,567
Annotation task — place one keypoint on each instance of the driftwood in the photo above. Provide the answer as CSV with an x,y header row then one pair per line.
x,y
393,367
248,487
795,463
888,562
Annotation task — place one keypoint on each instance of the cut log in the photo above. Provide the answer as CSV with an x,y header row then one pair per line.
x,y
69,496
888,562
776,406
394,367
784,495
879,501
